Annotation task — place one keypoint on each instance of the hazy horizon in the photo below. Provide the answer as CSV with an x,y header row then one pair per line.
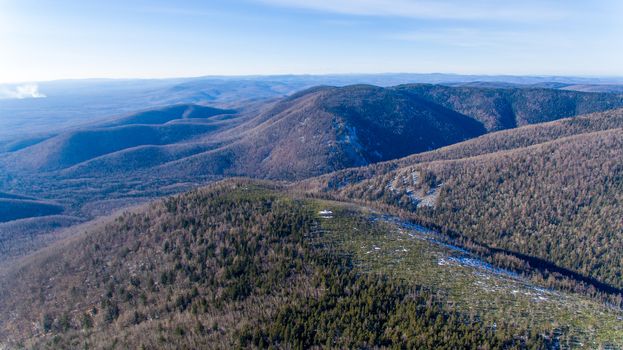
x,y
600,79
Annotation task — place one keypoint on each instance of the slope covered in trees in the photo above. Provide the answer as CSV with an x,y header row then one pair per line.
x,y
489,143
326,129
238,264
510,107
557,200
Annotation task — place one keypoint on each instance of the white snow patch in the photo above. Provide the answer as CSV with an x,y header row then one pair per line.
x,y
326,214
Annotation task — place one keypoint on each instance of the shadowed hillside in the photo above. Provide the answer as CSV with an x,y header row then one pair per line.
x,y
506,108
163,115
13,209
490,143
70,149
326,129
145,128
548,191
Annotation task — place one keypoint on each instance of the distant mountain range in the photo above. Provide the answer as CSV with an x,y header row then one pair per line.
x,y
364,124
71,103
310,133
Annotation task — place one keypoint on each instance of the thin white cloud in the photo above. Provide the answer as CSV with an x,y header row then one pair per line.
x,y
477,38
20,92
178,11
441,9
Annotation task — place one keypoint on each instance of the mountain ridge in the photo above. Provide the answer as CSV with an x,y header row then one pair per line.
x,y
313,132
523,199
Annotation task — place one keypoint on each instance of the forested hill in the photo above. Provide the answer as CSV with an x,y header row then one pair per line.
x,y
510,107
324,129
246,264
238,264
489,143
551,191
85,172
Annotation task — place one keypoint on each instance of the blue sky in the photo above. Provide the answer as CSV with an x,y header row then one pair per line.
x,y
58,39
